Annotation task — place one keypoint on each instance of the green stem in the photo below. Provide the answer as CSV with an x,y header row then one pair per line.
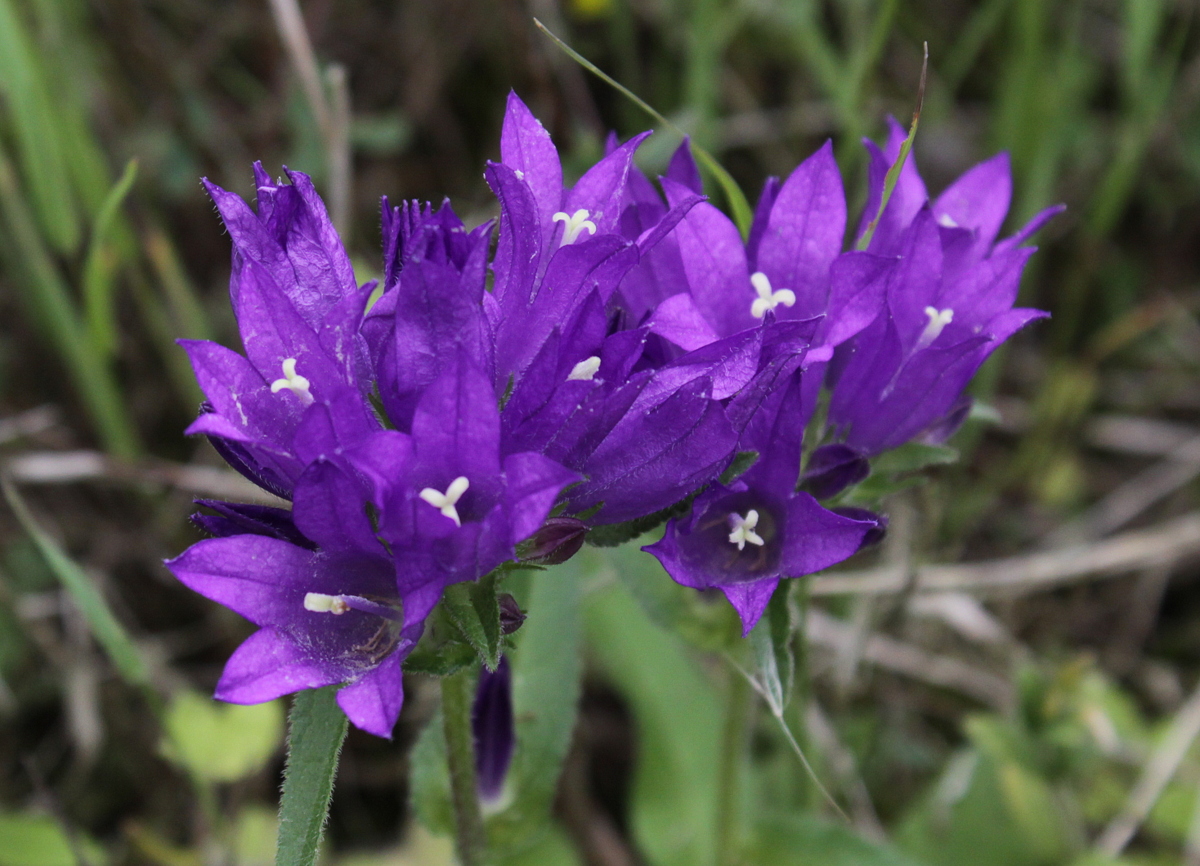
x,y
458,692
317,728
733,755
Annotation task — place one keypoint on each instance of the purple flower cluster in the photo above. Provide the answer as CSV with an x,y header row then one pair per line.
x,y
630,349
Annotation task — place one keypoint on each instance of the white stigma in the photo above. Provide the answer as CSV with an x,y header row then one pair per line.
x,y
947,221
293,381
767,299
445,502
938,320
586,369
318,602
743,530
573,225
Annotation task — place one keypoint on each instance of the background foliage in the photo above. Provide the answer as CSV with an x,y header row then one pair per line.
x,y
1050,720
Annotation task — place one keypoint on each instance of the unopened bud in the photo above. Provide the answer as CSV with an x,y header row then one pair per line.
x,y
511,615
833,468
557,541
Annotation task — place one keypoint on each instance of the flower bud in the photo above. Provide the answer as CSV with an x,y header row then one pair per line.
x,y
833,468
492,725
511,615
557,541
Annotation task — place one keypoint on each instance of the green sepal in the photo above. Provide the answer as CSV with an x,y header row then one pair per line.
x,y
896,470
439,661
771,641
615,534
912,457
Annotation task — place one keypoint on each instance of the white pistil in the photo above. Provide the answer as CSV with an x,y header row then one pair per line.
x,y
445,502
573,225
293,381
743,530
586,369
947,221
767,299
938,320
318,602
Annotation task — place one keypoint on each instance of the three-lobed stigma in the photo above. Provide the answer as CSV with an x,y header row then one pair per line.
x,y
768,299
294,382
743,530
446,502
573,225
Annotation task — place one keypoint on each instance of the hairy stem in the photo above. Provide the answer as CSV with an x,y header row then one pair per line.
x,y
457,694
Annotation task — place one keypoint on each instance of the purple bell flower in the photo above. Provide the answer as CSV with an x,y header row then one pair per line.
x,y
743,537
324,617
950,291
298,310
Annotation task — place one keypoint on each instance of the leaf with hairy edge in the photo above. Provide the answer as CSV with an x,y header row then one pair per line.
x,y
316,731
474,610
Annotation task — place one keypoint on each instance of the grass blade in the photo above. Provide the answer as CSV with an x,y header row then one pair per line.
x,y
100,267
31,112
50,301
893,175
738,205
108,631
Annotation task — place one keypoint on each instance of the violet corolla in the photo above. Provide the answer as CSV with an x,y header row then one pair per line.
x,y
949,288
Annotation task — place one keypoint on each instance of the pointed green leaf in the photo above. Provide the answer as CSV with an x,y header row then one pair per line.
x,y
316,731
473,608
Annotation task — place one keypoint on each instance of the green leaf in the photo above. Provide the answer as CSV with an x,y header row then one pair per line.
x,y
430,779
912,457
221,742
317,728
37,840
100,266
797,838
742,461
108,631
473,608
678,715
51,303
255,831
986,812
771,641
546,668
